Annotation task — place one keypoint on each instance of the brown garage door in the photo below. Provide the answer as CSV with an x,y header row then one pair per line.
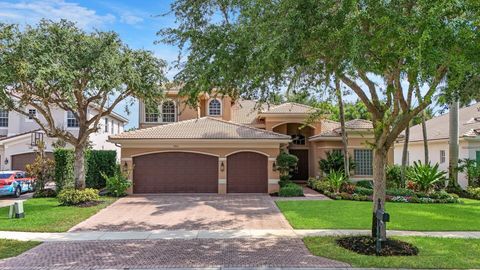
x,y
175,172
20,161
247,172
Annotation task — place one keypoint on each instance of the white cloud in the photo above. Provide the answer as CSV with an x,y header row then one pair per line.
x,y
30,12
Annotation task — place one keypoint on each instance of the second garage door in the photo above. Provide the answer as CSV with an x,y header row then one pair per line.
x,y
20,161
175,172
247,172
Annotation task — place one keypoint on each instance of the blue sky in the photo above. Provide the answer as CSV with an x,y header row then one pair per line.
x,y
136,21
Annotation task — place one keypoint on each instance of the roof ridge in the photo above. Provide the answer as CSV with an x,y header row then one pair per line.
x,y
246,126
155,127
294,103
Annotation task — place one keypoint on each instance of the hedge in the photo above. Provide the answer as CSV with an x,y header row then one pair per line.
x,y
96,162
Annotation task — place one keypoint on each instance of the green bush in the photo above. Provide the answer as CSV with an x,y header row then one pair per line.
x,y
96,163
45,193
100,162
335,162
285,164
64,159
425,176
72,196
363,191
399,192
291,190
321,186
117,184
336,179
365,184
284,180
474,193
394,176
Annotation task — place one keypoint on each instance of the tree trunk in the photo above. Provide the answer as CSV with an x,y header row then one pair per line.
x,y
425,138
405,153
379,186
453,145
342,127
79,167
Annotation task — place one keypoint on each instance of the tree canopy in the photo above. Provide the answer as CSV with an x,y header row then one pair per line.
x,y
56,65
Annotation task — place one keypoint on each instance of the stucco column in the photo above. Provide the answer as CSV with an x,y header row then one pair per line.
x,y
127,167
222,175
273,176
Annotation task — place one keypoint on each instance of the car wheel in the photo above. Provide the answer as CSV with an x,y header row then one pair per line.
x,y
18,192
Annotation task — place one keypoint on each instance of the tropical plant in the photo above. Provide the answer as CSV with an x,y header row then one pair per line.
x,y
394,176
425,176
285,164
472,170
87,74
117,184
334,161
42,169
336,179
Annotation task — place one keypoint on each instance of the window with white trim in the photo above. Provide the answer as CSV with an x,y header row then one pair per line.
x,y
105,125
168,111
3,118
151,114
214,107
72,121
32,113
363,161
443,156
112,127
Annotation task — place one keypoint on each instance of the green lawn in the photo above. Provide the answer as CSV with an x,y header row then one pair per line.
x,y
403,216
12,248
433,253
45,215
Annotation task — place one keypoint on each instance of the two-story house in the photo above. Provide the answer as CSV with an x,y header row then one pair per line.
x,y
20,134
226,146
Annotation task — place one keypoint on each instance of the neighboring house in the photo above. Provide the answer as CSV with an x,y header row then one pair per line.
x,y
438,140
20,134
231,147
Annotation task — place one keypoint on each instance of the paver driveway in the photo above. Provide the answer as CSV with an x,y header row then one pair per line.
x,y
141,254
188,212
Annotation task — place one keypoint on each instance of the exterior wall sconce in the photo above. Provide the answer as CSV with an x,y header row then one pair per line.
x,y
274,166
222,167
6,161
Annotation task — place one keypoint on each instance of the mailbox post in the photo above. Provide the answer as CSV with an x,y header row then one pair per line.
x,y
382,218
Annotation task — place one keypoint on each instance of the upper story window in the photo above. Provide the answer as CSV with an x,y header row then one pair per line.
x,y
443,156
3,118
214,107
105,125
298,139
112,127
72,121
151,114
363,161
168,111
32,113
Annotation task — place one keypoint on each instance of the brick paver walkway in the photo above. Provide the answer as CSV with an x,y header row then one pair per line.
x,y
137,254
187,212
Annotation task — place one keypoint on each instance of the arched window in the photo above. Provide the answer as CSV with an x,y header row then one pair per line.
x,y
214,107
168,111
151,115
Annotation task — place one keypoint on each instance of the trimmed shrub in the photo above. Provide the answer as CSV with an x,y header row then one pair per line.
x,y
365,184
285,164
473,193
319,185
363,191
72,196
45,193
100,162
64,159
291,190
399,192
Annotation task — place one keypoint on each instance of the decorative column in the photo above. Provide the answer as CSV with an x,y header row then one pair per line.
x,y
127,167
273,176
222,175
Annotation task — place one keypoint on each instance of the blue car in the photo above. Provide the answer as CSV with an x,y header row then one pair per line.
x,y
15,183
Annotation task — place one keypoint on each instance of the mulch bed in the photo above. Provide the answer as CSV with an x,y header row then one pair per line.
x,y
366,245
89,204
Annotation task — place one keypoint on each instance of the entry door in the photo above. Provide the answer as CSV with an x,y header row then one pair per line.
x,y
301,172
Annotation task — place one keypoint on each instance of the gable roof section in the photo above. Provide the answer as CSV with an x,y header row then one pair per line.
x,y
246,111
438,127
201,129
333,129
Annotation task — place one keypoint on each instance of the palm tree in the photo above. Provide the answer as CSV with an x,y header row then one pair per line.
x,y
453,145
423,119
338,92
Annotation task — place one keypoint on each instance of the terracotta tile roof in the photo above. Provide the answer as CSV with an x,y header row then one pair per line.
x,y
202,128
332,128
290,107
359,124
246,111
438,127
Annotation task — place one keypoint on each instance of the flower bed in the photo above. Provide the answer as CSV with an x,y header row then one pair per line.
x,y
350,191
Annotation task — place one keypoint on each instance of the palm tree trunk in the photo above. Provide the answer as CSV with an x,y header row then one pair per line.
x,y
425,138
405,153
453,145
338,91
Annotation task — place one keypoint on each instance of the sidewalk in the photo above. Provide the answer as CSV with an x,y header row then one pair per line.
x,y
211,234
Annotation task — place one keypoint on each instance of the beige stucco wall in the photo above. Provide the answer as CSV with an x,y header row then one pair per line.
x,y
222,152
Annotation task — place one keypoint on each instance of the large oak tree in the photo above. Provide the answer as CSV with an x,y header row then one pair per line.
x,y
56,65
381,50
